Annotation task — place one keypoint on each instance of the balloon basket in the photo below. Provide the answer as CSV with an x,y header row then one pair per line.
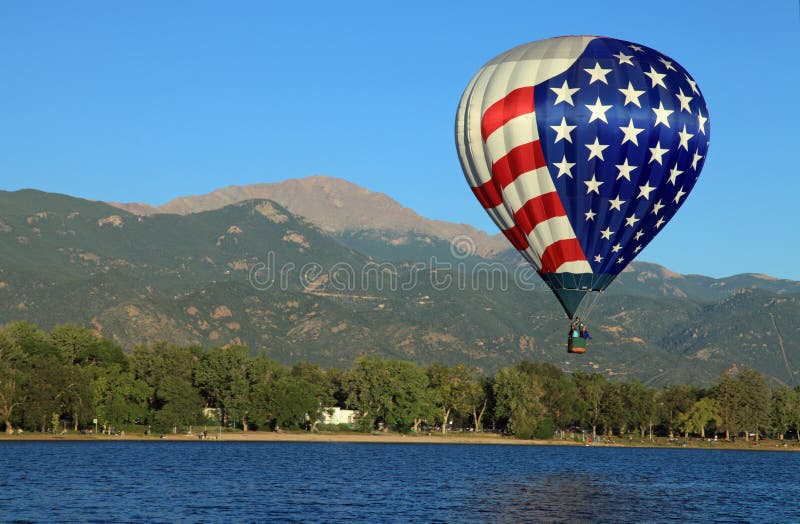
x,y
576,345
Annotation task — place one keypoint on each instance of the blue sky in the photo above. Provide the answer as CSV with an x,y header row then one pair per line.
x,y
147,101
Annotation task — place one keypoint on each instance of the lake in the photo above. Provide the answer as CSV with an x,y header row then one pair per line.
x,y
341,482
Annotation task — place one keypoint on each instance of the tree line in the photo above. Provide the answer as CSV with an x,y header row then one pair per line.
x,y
72,379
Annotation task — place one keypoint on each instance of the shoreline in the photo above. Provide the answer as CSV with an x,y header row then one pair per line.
x,y
397,438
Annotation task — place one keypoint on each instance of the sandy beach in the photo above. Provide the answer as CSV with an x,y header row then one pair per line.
x,y
397,438
292,436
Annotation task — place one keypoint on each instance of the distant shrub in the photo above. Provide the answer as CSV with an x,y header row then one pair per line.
x,y
545,429
336,427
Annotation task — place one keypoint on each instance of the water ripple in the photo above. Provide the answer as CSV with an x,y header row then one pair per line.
x,y
326,482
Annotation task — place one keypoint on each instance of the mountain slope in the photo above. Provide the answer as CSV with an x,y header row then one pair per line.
x,y
374,224
253,273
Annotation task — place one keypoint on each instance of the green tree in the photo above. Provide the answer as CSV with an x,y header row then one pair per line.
x,y
559,393
368,386
320,387
78,345
263,375
786,410
451,390
118,397
727,393
295,402
591,389
11,364
281,398
42,392
76,397
481,397
82,351
755,401
337,387
639,405
613,409
222,376
157,365
704,411
518,400
389,391
42,377
675,402
181,404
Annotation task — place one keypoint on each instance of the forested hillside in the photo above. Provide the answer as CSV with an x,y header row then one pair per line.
x,y
254,274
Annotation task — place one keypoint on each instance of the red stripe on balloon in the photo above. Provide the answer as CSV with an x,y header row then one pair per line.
x,y
519,160
537,210
560,252
518,102
517,238
488,194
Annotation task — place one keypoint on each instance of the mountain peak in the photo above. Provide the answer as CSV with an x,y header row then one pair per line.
x,y
333,204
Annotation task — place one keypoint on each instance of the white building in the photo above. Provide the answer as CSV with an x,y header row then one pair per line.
x,y
337,416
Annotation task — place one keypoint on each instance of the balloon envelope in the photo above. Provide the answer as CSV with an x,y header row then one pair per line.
x,y
581,149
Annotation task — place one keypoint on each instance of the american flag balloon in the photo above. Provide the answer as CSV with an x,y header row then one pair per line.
x,y
581,149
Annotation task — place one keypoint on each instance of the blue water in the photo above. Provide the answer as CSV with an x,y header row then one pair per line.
x,y
325,482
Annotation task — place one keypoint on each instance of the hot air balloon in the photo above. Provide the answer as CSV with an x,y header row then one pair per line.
x,y
581,149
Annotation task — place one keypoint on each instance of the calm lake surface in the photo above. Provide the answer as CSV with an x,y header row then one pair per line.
x,y
327,482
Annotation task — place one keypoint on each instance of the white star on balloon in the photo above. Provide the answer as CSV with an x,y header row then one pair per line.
x,y
616,203
657,207
598,111
645,190
631,95
564,93
674,173
625,170
666,63
596,149
662,114
631,220
696,159
701,122
623,58
657,152
656,78
563,131
564,167
684,100
684,138
598,73
692,84
593,185
631,133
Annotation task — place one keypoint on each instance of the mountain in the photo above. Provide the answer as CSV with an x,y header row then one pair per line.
x,y
647,279
378,226
254,273
336,206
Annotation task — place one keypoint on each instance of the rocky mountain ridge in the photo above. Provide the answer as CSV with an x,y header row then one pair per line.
x,y
333,204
